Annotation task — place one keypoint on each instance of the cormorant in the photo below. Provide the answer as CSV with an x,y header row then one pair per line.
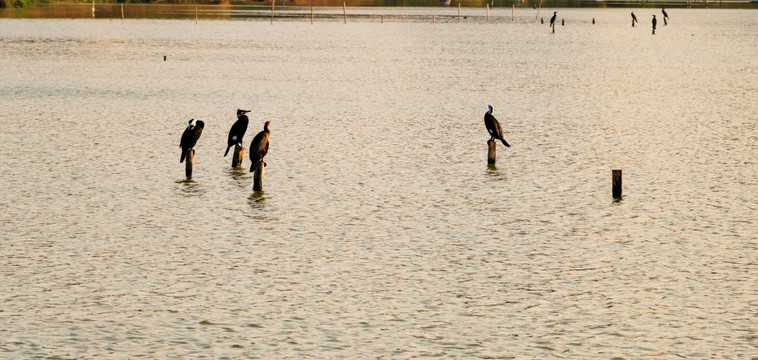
x,y
190,136
655,22
665,16
634,19
493,127
552,19
259,146
238,130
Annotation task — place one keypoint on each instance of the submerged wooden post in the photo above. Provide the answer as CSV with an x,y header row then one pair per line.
x,y
542,20
195,14
344,11
239,152
459,12
189,162
311,14
513,12
164,57
122,13
488,12
616,174
492,152
434,19
563,21
273,4
258,177
382,19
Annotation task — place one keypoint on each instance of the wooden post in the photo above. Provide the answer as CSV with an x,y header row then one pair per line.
x,y
553,28
311,14
93,9
239,153
434,19
344,11
382,19
488,12
542,20
164,57
258,177
273,4
195,14
513,12
122,13
563,21
492,153
189,162
616,174
593,21
459,12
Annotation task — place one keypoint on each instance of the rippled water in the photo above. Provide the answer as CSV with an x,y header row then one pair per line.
x,y
382,232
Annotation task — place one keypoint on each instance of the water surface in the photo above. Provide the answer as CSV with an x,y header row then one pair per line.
x,y
381,232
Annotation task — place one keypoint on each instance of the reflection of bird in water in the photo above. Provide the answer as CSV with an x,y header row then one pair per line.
x,y
259,146
665,16
552,19
493,127
655,22
238,130
634,19
190,136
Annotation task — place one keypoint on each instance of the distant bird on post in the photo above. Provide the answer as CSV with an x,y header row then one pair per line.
x,y
552,19
190,136
634,19
493,127
655,22
238,130
259,146
665,16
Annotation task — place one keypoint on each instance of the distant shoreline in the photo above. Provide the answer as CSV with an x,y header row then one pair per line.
x,y
228,10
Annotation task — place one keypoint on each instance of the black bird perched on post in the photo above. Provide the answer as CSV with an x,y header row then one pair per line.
x,y
238,130
190,136
634,19
552,19
655,22
259,146
665,16
493,127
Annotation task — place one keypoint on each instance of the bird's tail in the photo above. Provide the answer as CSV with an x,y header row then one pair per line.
x,y
227,151
184,154
505,143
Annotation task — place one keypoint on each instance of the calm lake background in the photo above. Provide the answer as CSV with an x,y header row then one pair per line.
x,y
382,232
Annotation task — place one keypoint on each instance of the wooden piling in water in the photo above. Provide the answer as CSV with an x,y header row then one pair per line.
x,y
239,153
344,11
459,12
311,15
488,12
122,13
258,177
382,19
189,162
513,12
491,152
553,28
196,15
434,19
563,21
164,57
538,11
593,21
273,4
616,182
542,20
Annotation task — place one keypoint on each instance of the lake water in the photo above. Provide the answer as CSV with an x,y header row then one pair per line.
x,y
381,231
